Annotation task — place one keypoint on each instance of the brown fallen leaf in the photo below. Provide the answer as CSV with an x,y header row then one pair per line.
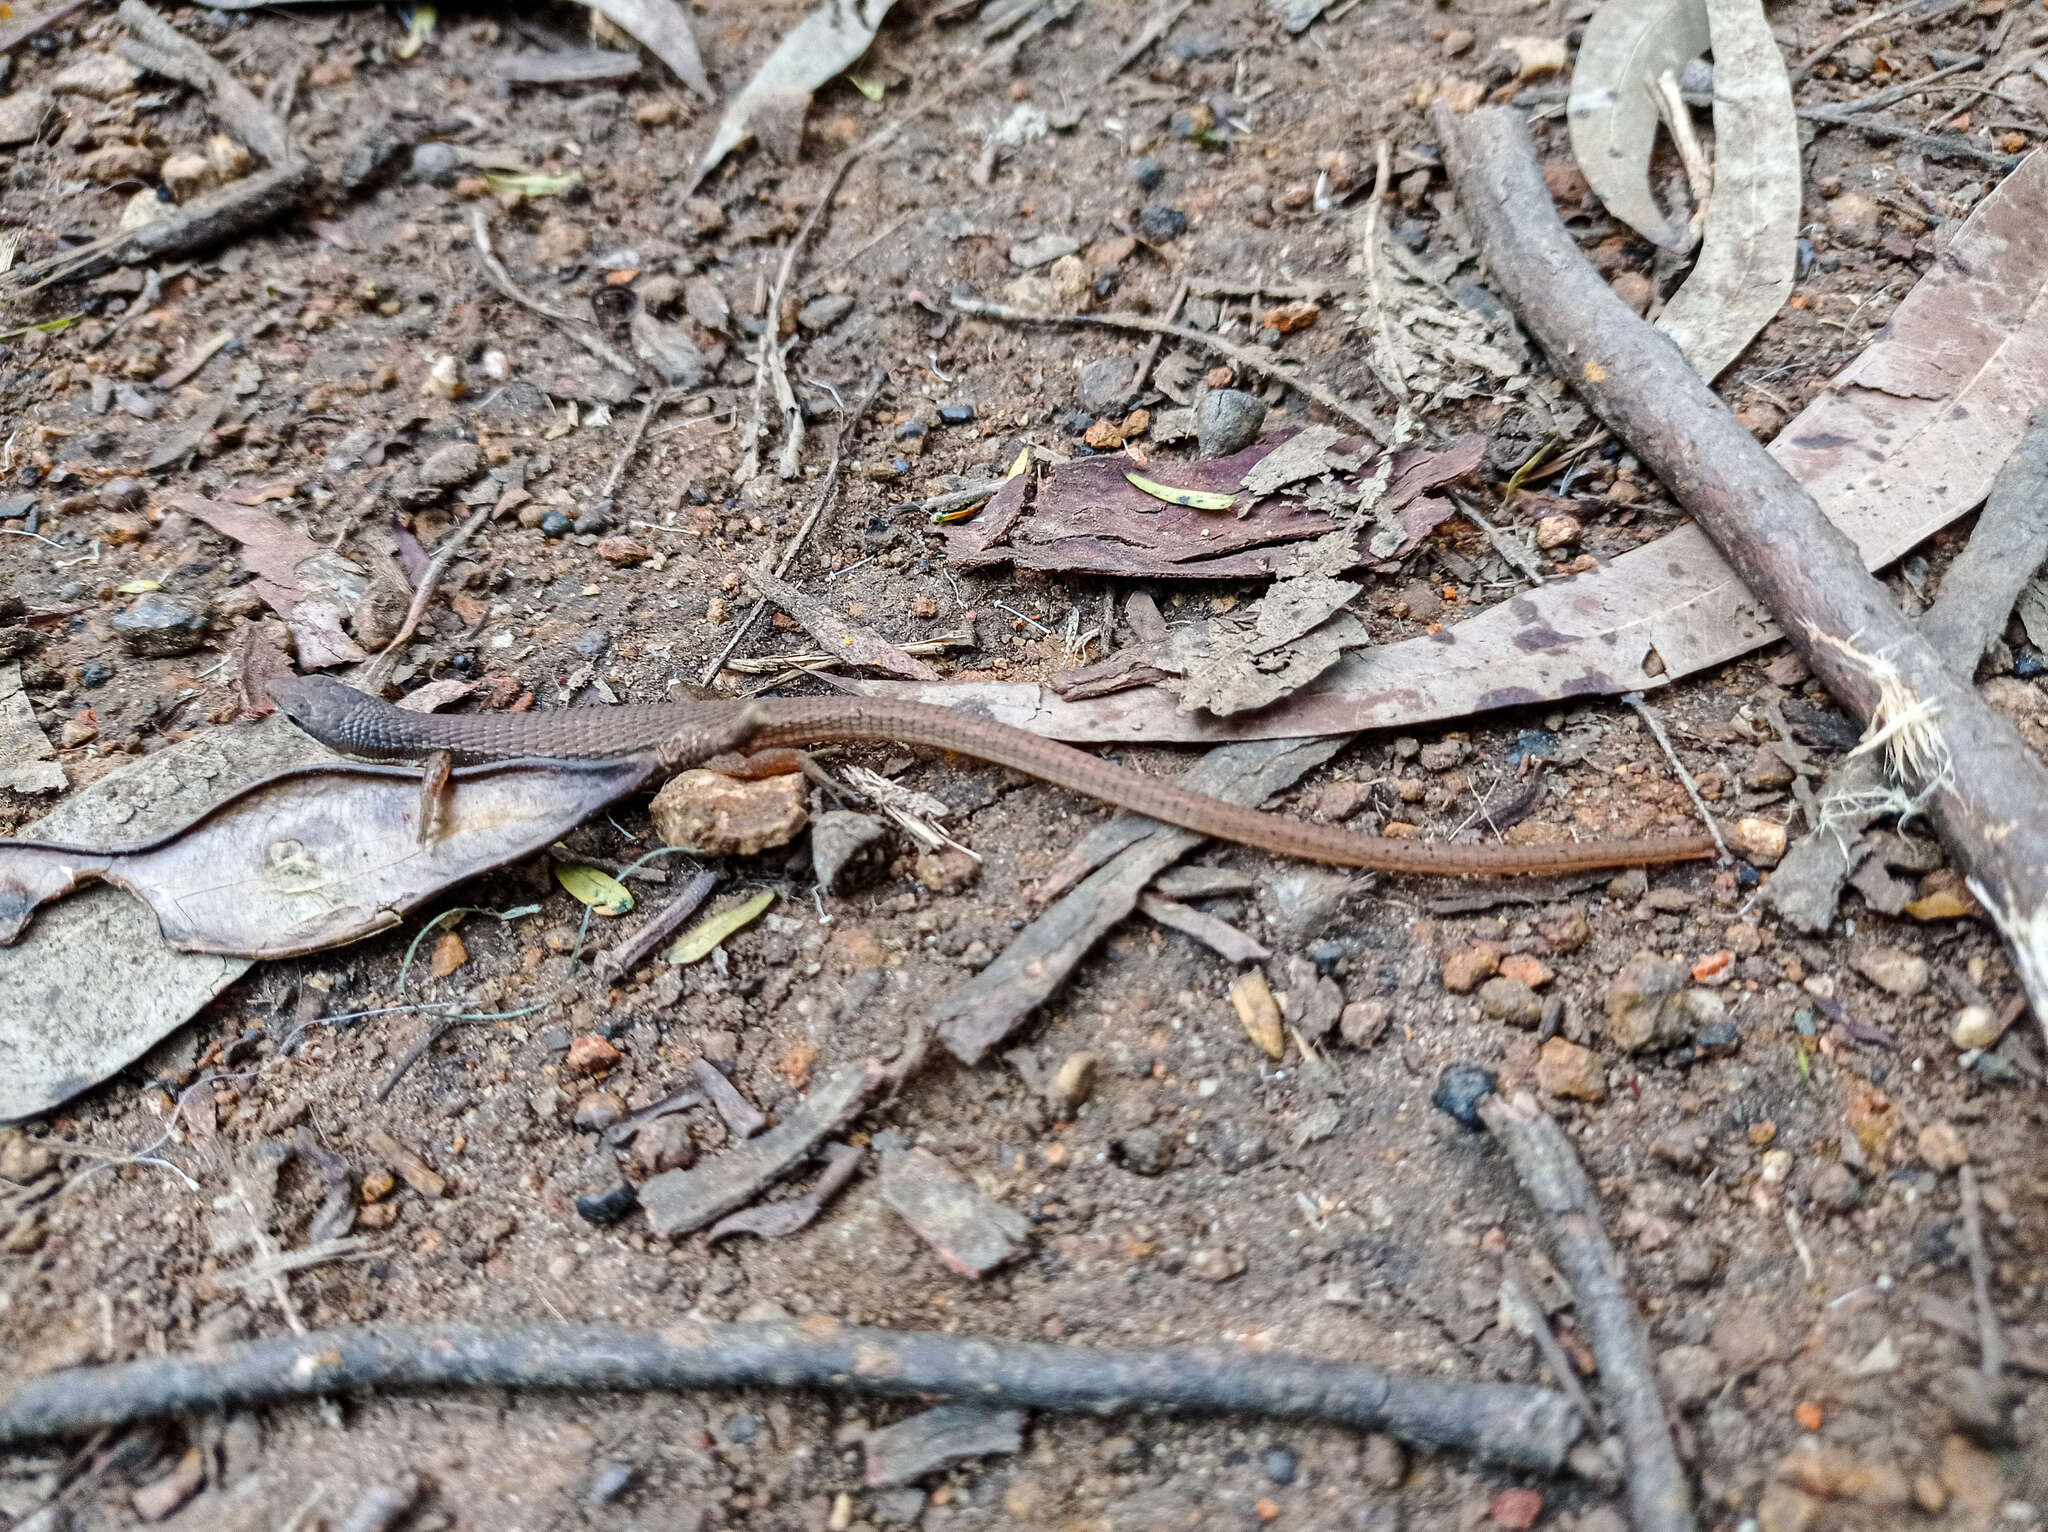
x,y
1085,517
318,855
1903,441
308,584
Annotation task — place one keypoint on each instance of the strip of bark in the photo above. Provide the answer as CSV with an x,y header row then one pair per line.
x,y
988,1007
634,951
1507,1423
1659,1498
1976,598
1987,790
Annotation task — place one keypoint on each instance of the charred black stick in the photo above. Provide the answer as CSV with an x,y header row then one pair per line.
x,y
1507,1423
1984,790
1659,1498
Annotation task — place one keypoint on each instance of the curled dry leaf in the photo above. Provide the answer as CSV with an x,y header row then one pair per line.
x,y
1613,107
1749,252
772,105
318,855
1904,440
307,584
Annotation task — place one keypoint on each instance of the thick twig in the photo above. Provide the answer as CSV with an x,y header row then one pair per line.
x,y
796,543
584,335
1975,600
1242,356
1659,1498
1990,1335
162,49
1505,1422
1692,788
1983,788
1516,1279
213,219
424,595
629,954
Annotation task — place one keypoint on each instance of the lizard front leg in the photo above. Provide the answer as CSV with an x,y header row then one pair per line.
x,y
723,730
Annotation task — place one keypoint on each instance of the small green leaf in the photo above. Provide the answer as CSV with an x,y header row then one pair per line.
x,y
872,89
1198,499
137,587
702,939
528,183
417,32
594,887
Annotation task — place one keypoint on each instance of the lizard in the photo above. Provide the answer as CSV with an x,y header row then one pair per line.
x,y
691,733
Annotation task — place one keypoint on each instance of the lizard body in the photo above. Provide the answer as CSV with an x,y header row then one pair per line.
x,y
689,733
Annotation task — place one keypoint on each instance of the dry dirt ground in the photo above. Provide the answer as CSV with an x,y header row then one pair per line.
x,y
1190,1198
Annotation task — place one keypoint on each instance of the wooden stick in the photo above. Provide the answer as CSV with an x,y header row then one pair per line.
x,y
1976,597
1509,1423
1983,788
1243,356
1548,1167
1991,1348
162,49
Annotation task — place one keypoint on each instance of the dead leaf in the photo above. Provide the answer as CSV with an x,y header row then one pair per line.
x,y
289,566
1259,1012
838,636
1612,109
1941,400
92,986
663,28
318,855
1084,517
772,106
436,695
1749,250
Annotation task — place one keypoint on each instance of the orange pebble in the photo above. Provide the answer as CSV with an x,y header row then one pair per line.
x,y
1265,1510
1808,1415
1714,968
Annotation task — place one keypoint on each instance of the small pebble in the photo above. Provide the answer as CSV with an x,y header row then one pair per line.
x,y
1147,173
93,674
608,1206
1279,1465
1227,420
1460,1089
741,1428
162,626
609,1482
1157,222
555,524
1144,1152
956,414
436,163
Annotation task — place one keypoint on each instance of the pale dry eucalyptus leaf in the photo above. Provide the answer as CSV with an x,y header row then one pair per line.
x,y
827,41
1612,109
1749,250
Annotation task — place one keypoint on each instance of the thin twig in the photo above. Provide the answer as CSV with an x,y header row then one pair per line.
x,y
1660,1499
1242,356
1800,1247
631,953
770,355
581,333
796,543
424,595
1878,100
1153,347
1856,29
1155,29
1518,557
1523,1291
1941,145
1692,788
1394,376
654,407
1510,1423
857,252
1990,1336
